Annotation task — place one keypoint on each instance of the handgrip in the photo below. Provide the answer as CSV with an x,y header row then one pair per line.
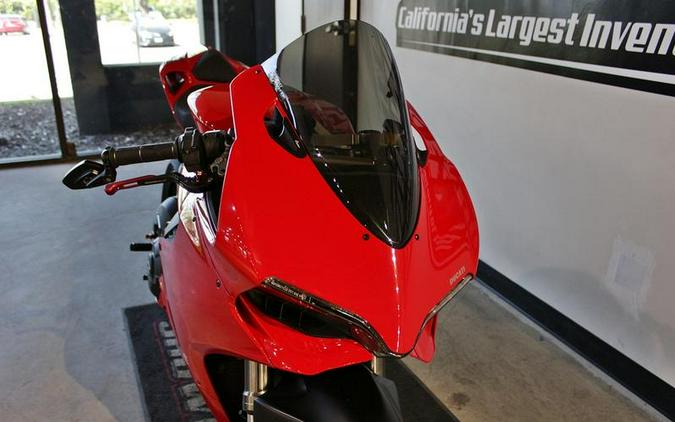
x,y
140,154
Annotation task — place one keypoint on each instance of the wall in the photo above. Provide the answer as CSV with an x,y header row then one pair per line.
x,y
288,15
573,183
318,12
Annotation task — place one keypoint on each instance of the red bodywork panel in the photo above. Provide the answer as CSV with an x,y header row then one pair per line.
x,y
211,108
278,217
182,85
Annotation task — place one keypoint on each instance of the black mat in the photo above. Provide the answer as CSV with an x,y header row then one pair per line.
x,y
171,395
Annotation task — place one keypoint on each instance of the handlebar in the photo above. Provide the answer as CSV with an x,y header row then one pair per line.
x,y
140,154
195,150
203,155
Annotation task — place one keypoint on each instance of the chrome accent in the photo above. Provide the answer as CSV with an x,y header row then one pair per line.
x,y
187,203
377,366
255,384
328,308
445,301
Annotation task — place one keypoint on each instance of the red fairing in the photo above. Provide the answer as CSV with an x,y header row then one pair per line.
x,y
211,107
283,230
179,82
279,218
426,344
202,315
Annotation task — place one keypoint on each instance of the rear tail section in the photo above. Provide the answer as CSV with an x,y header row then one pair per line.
x,y
183,76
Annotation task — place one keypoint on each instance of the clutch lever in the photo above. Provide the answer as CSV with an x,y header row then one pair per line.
x,y
196,184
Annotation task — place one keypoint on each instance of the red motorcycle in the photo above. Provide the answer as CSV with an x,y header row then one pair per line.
x,y
304,233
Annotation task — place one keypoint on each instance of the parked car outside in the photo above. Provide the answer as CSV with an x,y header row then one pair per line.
x,y
152,29
10,24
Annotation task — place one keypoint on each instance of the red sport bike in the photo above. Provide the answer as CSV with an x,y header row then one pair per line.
x,y
305,233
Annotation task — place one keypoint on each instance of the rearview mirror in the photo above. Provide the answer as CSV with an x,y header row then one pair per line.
x,y
87,174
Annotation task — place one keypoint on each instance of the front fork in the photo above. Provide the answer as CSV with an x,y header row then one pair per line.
x,y
255,384
256,378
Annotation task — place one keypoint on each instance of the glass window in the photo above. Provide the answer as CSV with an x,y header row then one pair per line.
x,y
146,31
26,111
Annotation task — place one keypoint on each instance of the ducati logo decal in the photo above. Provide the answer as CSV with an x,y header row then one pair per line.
x,y
456,276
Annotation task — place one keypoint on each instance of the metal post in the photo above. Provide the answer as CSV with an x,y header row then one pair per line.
x,y
67,149
377,366
352,9
138,38
216,25
200,21
303,20
255,384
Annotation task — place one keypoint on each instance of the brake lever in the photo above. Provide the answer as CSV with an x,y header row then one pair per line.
x,y
197,184
112,188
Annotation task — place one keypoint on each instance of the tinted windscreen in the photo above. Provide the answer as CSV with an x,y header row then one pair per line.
x,y
347,104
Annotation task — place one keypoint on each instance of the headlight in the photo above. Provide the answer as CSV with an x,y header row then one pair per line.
x,y
319,318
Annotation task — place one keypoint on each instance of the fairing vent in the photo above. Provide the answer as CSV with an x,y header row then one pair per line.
x,y
316,317
295,316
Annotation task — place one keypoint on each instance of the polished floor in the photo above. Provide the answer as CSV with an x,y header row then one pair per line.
x,y
66,274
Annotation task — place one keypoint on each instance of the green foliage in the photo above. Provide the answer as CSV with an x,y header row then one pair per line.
x,y
113,9
121,9
175,9
24,8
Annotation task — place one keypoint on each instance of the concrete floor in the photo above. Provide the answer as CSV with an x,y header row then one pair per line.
x,y
492,364
66,274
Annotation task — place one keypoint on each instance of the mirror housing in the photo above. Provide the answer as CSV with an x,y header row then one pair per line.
x,y
88,174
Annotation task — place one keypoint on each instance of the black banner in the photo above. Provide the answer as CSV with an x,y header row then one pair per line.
x,y
628,43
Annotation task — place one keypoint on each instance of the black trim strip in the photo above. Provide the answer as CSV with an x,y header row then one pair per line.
x,y
621,368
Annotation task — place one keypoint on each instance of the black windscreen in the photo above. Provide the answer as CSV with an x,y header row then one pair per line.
x,y
348,106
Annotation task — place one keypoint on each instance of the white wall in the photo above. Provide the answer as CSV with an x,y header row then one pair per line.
x,y
287,17
574,186
318,12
